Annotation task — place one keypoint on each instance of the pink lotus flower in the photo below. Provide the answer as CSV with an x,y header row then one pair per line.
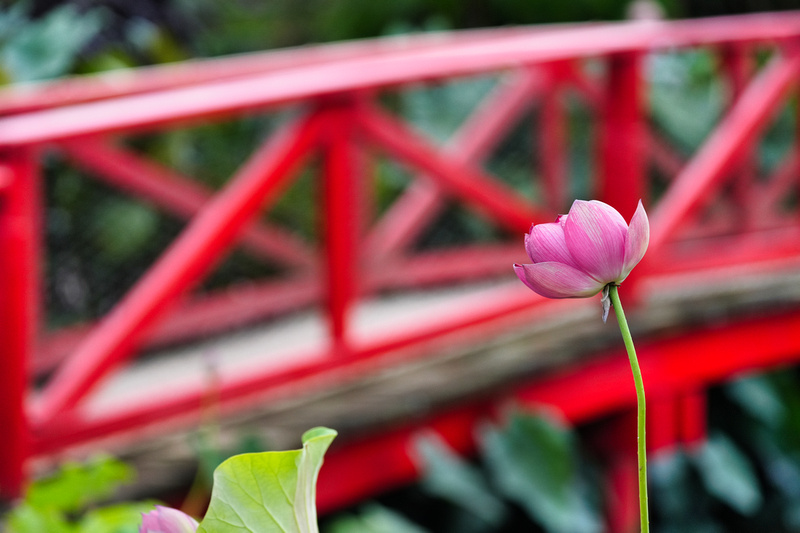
x,y
167,520
581,253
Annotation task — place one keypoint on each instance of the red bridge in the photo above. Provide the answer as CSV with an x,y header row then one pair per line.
x,y
713,297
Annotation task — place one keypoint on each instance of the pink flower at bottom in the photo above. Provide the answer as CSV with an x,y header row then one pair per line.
x,y
167,520
580,253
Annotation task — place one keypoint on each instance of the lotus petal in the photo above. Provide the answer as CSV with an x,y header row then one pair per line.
x,y
167,520
546,243
557,280
595,234
637,240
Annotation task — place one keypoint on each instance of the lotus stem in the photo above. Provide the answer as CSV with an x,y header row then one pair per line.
x,y
640,402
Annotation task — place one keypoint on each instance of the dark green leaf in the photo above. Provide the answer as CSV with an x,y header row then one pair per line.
x,y
533,462
49,46
448,477
669,479
374,519
727,474
758,396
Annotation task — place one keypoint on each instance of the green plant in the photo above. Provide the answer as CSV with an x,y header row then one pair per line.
x,y
69,501
529,476
744,477
270,491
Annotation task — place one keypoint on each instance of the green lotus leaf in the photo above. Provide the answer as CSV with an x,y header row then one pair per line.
x,y
270,492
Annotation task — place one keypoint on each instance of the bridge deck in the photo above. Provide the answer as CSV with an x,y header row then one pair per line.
x,y
399,389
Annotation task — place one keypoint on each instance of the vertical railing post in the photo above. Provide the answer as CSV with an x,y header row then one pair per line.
x,y
341,218
622,171
617,453
664,423
19,209
552,137
737,65
693,408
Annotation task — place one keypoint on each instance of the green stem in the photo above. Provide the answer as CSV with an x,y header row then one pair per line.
x,y
637,380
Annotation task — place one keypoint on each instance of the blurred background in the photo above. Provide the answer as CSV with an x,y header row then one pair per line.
x,y
99,241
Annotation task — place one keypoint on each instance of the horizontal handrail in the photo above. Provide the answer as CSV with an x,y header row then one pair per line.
x,y
290,85
32,96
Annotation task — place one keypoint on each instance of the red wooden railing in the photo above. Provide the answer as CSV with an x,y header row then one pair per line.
x,y
336,90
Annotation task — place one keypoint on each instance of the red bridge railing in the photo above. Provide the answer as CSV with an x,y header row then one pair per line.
x,y
336,94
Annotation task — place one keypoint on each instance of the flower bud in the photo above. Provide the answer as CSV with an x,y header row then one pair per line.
x,y
582,252
167,520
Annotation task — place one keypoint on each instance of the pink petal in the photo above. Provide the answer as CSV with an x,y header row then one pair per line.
x,y
595,234
546,243
167,520
636,241
557,280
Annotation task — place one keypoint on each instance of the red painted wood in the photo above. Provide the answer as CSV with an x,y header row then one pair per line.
x,y
205,314
388,460
191,256
178,194
226,97
622,136
553,148
488,196
342,215
622,494
289,376
19,286
693,410
766,199
114,84
663,155
738,66
670,367
415,209
663,423
719,153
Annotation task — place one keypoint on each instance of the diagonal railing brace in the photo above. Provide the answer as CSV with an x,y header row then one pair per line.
x,y
498,201
720,152
183,265
178,194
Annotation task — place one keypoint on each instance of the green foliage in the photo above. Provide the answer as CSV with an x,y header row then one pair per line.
x,y
533,462
256,492
115,218
678,503
286,23
758,396
452,479
67,501
374,518
686,99
744,477
771,438
528,477
97,479
47,47
728,474
120,518
268,492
